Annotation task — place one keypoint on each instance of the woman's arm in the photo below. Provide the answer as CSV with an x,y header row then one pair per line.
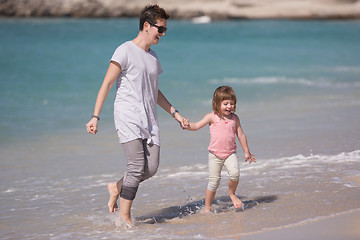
x,y
165,104
109,80
208,119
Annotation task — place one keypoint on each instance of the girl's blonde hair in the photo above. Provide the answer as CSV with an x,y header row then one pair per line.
x,y
222,93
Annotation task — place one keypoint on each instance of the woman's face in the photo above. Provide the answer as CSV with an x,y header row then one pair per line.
x,y
154,35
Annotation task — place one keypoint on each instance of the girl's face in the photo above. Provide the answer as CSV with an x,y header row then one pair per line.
x,y
227,107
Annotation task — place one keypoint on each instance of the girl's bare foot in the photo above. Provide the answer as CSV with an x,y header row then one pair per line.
x,y
205,210
236,201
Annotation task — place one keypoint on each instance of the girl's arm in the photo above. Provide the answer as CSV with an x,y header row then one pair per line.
x,y
208,119
243,141
109,80
165,104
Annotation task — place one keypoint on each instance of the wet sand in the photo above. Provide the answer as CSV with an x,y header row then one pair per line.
x,y
341,226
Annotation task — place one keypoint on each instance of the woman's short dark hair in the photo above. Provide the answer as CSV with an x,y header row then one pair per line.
x,y
151,14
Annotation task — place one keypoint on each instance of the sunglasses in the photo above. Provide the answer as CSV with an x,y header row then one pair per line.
x,y
161,29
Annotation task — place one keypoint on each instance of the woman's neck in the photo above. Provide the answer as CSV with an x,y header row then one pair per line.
x,y
142,42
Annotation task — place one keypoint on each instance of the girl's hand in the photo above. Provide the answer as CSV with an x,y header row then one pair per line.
x,y
250,157
91,126
184,122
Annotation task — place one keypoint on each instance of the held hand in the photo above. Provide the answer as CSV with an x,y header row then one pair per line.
x,y
91,126
250,157
184,122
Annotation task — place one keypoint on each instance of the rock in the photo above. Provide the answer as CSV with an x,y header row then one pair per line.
x,y
186,9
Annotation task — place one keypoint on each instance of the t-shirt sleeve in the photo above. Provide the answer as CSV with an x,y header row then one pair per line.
x,y
120,56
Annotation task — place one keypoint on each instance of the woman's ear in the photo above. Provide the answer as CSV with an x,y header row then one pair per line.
x,y
146,26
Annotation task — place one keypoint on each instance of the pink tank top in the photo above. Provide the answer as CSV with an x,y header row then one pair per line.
x,y
222,137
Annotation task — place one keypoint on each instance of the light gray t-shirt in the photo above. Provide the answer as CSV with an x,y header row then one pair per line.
x,y
135,113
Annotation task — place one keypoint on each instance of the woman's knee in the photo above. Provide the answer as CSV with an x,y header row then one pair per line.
x,y
153,166
152,161
151,171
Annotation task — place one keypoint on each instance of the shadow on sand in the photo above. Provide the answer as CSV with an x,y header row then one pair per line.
x,y
222,204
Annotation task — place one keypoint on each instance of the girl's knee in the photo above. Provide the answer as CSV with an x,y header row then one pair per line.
x,y
212,187
213,184
234,175
234,178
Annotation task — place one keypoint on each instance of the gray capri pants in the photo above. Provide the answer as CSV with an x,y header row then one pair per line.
x,y
142,163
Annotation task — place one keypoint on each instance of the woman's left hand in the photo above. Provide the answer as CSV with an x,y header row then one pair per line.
x,y
184,122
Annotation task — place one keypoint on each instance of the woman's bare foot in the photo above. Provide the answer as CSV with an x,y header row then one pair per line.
x,y
114,194
120,221
124,213
236,201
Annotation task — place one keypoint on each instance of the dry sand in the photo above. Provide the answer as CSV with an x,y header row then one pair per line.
x,y
187,9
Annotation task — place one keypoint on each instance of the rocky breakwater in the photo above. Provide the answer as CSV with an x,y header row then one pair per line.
x,y
186,9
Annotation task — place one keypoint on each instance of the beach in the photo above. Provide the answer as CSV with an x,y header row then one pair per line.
x,y
214,9
340,226
298,88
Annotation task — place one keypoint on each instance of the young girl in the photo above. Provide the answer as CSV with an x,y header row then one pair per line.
x,y
224,125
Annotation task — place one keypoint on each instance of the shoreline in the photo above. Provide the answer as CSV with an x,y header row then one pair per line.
x,y
343,225
214,10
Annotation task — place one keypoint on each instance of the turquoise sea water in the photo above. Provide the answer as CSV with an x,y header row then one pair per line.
x,y
50,70
298,89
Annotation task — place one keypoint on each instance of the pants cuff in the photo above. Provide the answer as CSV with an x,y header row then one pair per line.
x,y
128,193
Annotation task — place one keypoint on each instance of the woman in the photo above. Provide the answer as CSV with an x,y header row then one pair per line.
x,y
136,68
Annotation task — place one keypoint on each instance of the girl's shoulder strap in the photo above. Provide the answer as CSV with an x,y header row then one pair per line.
x,y
213,117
